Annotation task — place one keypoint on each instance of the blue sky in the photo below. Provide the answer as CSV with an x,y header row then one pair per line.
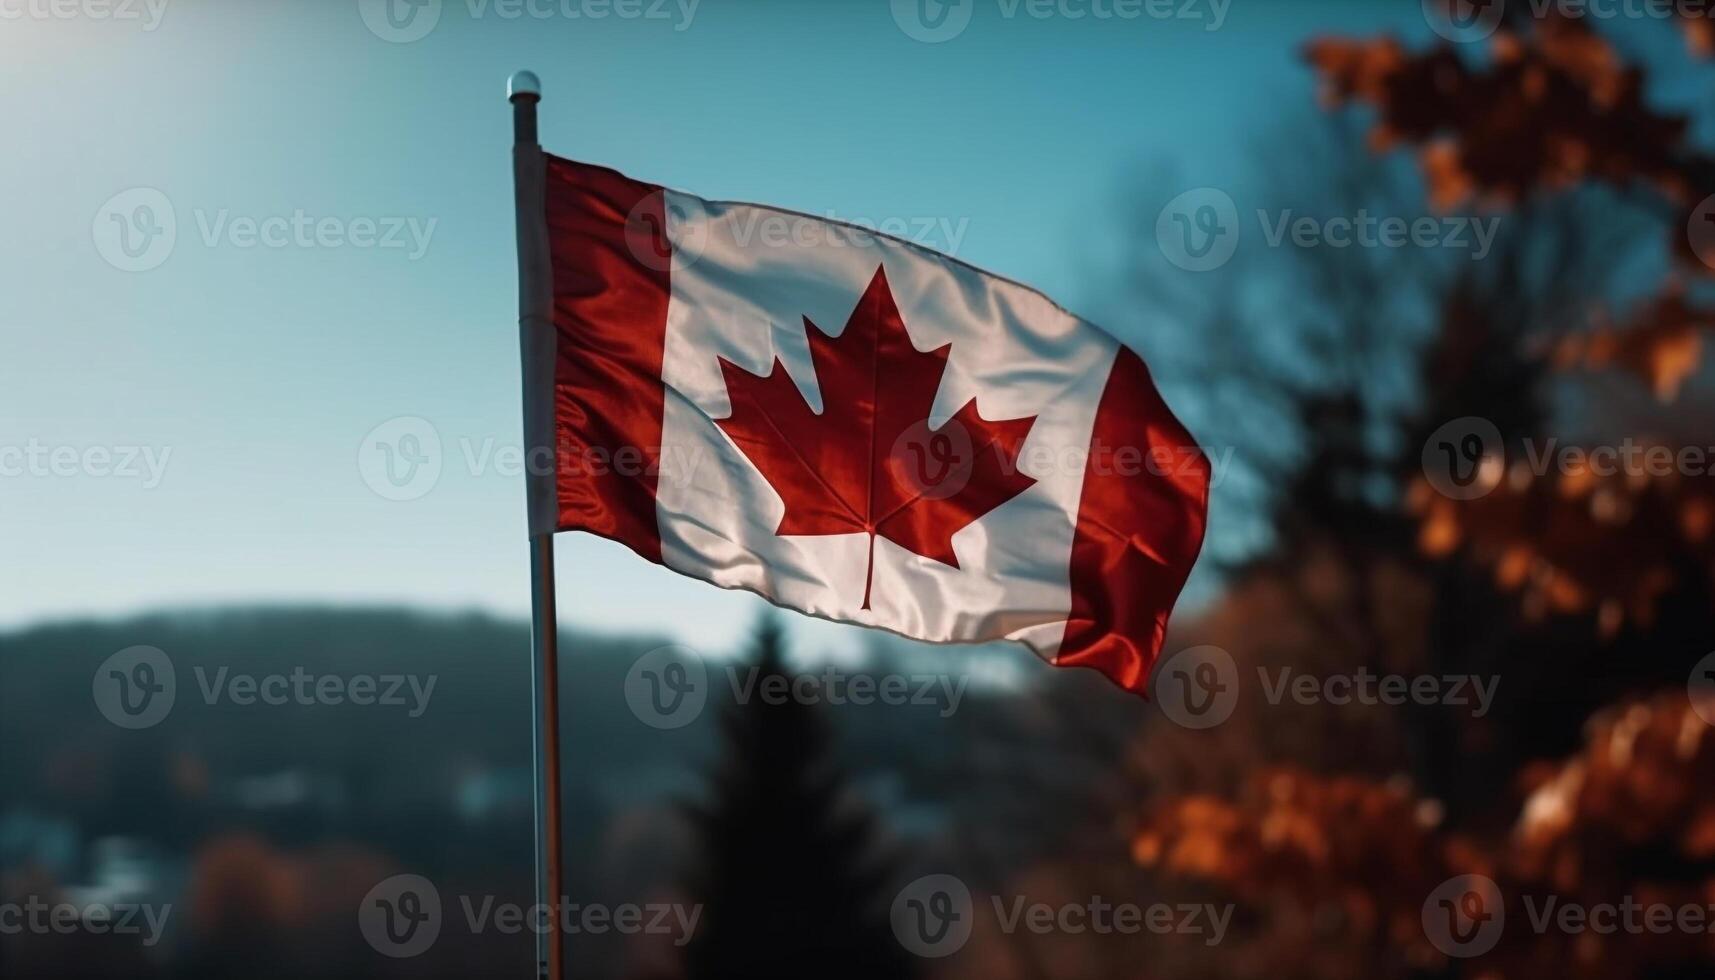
x,y
255,372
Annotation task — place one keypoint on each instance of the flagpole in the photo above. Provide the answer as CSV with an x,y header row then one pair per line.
x,y
545,678
524,91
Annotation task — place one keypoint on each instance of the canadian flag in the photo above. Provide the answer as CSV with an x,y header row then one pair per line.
x,y
847,424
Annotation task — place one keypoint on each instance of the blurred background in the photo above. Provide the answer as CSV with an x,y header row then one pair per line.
x,y
1429,281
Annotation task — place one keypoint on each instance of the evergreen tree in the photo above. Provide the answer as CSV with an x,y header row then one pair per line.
x,y
791,877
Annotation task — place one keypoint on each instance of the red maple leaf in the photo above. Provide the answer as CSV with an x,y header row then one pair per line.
x,y
870,462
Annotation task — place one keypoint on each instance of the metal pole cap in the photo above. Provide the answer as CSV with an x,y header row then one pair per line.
x,y
523,85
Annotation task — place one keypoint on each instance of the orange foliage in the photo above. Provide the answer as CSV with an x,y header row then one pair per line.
x,y
1662,345
1574,542
1552,108
1646,775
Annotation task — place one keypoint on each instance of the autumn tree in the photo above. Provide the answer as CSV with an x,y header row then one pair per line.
x,y
1586,589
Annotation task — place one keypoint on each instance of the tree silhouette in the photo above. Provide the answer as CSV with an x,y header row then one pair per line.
x,y
792,879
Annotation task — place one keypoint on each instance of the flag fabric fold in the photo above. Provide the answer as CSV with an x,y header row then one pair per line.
x,y
850,425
